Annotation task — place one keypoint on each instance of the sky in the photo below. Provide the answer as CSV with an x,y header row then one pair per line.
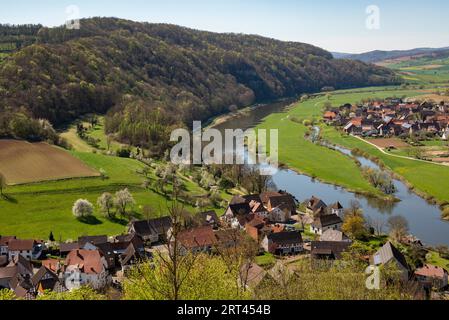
x,y
352,26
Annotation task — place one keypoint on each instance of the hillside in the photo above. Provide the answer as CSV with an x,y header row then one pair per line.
x,y
150,76
379,55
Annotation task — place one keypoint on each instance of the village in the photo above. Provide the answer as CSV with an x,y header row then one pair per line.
x,y
392,118
276,222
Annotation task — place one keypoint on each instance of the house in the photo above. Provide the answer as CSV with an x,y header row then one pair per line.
x,y
235,211
280,214
283,202
315,204
153,230
283,243
66,248
130,257
328,250
3,261
86,267
197,240
95,240
18,270
432,277
326,222
4,242
209,218
334,236
337,209
46,280
390,255
252,276
28,249
6,275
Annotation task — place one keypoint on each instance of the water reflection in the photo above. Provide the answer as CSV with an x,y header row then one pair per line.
x,y
424,219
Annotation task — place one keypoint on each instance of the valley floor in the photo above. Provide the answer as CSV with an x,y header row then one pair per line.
x,y
333,167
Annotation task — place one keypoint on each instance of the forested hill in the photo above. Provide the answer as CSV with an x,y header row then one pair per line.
x,y
149,75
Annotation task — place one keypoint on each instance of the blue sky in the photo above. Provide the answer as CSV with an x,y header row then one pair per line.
x,y
336,25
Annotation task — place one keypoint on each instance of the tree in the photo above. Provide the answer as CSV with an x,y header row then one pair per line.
x,y
82,209
399,227
2,183
106,203
167,278
7,295
51,237
354,222
122,200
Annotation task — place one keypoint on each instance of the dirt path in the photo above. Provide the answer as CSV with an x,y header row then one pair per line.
x,y
397,156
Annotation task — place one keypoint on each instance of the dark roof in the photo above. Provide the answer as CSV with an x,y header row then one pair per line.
x,y
337,206
67,247
3,261
286,200
387,253
45,276
153,226
331,249
326,221
286,237
246,199
8,272
316,204
209,217
240,209
129,254
92,239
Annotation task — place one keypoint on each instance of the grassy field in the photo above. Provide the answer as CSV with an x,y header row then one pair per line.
x,y
34,210
423,70
24,162
317,161
435,259
331,166
96,132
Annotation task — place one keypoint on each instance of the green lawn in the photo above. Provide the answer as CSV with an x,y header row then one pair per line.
x,y
36,209
317,161
331,166
266,260
435,259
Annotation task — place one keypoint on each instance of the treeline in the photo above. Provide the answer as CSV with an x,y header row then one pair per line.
x,y
150,73
13,37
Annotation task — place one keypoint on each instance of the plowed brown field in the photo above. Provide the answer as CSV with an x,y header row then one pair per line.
x,y
23,162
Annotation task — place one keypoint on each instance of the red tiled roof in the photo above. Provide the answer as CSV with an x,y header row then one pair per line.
x,y
21,245
431,271
5,240
88,261
198,237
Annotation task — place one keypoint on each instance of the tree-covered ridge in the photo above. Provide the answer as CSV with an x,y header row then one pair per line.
x,y
139,69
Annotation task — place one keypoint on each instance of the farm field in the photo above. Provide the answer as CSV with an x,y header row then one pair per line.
x,y
35,210
24,162
330,166
389,143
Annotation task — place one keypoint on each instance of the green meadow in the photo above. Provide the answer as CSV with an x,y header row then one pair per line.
x,y
333,167
35,210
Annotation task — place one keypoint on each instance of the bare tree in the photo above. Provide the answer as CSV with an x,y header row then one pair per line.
x,y
399,227
238,253
175,263
377,225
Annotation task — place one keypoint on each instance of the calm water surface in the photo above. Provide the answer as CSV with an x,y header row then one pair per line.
x,y
424,219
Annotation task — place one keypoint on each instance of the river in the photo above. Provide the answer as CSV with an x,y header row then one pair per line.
x,y
424,219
